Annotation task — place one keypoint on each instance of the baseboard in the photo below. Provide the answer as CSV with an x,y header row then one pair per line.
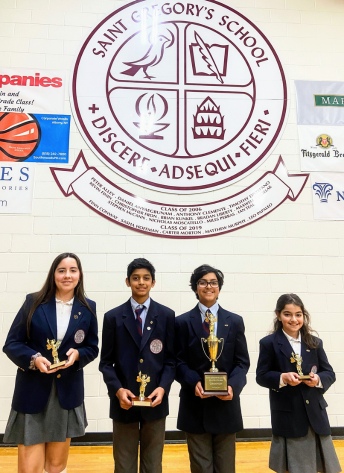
x,y
176,436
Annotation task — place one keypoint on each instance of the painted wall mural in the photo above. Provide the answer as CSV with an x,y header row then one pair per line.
x,y
181,98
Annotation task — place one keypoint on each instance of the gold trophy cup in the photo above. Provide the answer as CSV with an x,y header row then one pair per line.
x,y
215,382
53,346
142,400
298,360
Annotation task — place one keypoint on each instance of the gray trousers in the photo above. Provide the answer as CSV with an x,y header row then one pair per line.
x,y
127,438
211,453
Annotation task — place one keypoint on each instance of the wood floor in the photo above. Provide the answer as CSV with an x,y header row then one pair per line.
x,y
252,457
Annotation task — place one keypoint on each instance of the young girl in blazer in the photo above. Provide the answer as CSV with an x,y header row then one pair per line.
x,y
301,435
48,404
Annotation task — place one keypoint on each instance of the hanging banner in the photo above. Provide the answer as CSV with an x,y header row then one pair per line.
x,y
39,138
31,90
16,188
320,119
328,196
28,131
179,221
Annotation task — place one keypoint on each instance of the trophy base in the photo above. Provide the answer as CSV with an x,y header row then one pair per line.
x,y
56,365
304,376
146,402
215,384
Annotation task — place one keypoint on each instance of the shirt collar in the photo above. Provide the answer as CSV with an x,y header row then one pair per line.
x,y
213,309
59,301
135,304
292,339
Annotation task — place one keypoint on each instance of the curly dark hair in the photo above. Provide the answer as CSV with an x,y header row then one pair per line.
x,y
202,271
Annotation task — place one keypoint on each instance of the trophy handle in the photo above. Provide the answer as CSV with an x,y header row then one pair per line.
x,y
204,340
222,345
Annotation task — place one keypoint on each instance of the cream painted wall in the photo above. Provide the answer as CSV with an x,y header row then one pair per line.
x,y
286,252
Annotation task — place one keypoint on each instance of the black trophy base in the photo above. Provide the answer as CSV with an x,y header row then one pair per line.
x,y
145,402
215,384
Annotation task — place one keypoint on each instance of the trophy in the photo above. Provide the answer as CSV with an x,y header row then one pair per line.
x,y
215,382
142,400
298,360
53,346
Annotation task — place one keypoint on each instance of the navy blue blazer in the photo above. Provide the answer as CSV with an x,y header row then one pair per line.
x,y
294,408
124,354
32,388
210,415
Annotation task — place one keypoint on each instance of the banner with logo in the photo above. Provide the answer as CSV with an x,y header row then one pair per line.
x,y
40,138
32,129
328,196
16,188
32,125
31,90
320,119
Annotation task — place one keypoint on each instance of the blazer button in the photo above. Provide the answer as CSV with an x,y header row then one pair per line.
x,y
141,360
58,376
307,402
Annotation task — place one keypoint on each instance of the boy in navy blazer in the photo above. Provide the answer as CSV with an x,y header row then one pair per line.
x,y
138,337
210,421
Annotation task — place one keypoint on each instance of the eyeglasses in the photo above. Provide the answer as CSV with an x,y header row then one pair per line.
x,y
204,283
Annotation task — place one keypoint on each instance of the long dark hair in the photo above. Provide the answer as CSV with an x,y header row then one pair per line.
x,y
306,329
49,288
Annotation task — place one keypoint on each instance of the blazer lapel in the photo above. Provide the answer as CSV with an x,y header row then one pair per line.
x,y
49,310
75,318
130,323
284,344
223,323
196,322
150,323
309,361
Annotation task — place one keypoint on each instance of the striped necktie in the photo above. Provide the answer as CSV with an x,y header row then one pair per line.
x,y
138,312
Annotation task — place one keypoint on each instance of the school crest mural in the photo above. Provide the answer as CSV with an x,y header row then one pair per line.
x,y
181,98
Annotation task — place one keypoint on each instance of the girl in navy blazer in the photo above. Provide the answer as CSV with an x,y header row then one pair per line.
x,y
48,404
301,435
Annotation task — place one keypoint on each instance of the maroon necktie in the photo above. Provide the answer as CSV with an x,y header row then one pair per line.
x,y
138,312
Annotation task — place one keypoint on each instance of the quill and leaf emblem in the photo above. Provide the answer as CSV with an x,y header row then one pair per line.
x,y
207,57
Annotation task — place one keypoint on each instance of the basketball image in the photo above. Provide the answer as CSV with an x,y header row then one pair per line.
x,y
20,135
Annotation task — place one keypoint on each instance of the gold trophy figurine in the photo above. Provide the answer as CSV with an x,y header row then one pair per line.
x,y
215,382
53,346
298,360
142,400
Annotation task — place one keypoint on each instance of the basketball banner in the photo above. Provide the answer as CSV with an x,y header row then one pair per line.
x,y
320,119
38,138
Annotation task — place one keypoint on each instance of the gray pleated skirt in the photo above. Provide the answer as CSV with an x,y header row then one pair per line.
x,y
54,424
310,454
